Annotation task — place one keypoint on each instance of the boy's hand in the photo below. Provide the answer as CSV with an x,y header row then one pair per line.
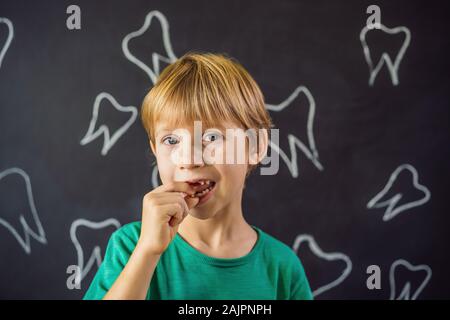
x,y
163,209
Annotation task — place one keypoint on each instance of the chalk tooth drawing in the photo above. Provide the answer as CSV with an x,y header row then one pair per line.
x,y
153,73
168,56
94,133
310,151
96,256
406,293
39,235
328,256
391,204
9,38
385,58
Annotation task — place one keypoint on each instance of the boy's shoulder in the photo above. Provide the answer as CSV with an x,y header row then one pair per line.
x,y
130,231
278,250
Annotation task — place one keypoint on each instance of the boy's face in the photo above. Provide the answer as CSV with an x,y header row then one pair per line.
x,y
191,153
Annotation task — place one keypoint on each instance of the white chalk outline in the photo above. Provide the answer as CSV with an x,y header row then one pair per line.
x,y
406,291
385,58
294,142
156,58
5,48
331,256
96,255
392,202
40,236
109,141
311,153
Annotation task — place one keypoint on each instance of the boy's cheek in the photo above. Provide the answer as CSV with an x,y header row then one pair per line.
x,y
214,155
165,171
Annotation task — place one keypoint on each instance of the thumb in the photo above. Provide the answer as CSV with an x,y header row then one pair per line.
x,y
191,202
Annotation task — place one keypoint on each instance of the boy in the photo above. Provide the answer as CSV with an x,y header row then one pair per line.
x,y
193,241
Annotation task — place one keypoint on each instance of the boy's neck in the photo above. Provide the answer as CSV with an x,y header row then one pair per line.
x,y
227,226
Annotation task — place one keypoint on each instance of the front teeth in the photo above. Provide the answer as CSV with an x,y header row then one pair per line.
x,y
205,191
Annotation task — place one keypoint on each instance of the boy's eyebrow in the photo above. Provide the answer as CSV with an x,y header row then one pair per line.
x,y
163,129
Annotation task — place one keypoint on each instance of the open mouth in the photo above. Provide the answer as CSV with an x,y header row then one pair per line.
x,y
206,186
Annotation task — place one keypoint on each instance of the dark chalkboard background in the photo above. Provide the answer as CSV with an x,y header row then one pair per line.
x,y
50,77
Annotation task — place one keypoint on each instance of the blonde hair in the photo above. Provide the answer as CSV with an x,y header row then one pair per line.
x,y
206,87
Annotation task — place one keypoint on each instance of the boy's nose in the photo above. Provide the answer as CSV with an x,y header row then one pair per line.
x,y
191,158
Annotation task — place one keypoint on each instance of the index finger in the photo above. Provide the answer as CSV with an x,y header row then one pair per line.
x,y
176,186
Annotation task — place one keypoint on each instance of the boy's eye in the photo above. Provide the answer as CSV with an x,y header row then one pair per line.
x,y
170,140
212,136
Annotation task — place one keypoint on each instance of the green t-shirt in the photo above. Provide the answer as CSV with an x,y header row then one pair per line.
x,y
270,271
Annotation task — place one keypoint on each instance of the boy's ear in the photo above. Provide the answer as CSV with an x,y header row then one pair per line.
x,y
258,152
